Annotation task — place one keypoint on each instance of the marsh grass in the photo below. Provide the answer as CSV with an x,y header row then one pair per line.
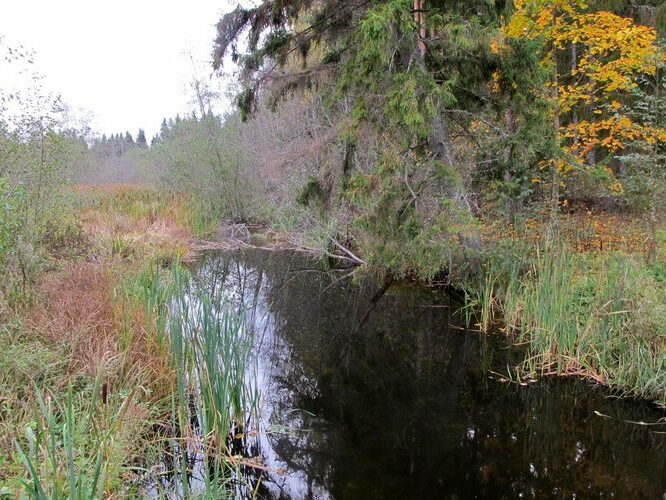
x,y
213,348
213,398
55,444
597,315
66,448
103,320
144,204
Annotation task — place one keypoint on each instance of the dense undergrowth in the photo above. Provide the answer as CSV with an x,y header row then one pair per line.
x,y
98,395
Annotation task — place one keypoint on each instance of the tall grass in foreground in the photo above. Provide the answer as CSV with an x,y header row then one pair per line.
x,y
602,316
195,351
68,448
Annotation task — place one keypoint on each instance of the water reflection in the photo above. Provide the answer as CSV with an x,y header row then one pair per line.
x,y
374,393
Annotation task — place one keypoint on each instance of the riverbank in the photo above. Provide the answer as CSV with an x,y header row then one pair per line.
x,y
85,381
587,295
93,389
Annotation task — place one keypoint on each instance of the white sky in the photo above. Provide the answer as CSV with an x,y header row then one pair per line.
x,y
125,61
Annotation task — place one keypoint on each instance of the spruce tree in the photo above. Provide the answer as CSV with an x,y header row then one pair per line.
x,y
412,69
141,139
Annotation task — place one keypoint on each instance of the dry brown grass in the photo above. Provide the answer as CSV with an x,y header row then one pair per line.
x,y
78,312
75,311
138,238
135,221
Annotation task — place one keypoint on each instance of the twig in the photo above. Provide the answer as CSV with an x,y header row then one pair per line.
x,y
358,260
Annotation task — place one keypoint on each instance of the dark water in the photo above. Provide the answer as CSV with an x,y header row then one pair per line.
x,y
385,395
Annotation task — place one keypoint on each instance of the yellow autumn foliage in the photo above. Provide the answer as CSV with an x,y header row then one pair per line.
x,y
612,51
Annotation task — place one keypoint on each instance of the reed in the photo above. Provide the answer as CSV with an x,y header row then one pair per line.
x,y
141,203
110,319
210,351
67,449
481,302
596,315
214,346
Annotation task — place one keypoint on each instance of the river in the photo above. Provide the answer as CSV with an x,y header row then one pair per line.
x,y
369,392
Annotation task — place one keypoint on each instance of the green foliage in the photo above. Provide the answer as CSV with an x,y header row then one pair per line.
x,y
246,102
67,452
275,44
529,137
413,98
141,139
10,201
36,221
391,230
202,157
312,191
645,177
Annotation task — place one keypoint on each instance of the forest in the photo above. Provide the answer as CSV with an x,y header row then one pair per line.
x,y
508,153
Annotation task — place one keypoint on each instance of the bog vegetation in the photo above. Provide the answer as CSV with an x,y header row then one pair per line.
x,y
512,150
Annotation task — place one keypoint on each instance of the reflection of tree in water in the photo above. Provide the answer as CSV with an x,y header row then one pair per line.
x,y
403,407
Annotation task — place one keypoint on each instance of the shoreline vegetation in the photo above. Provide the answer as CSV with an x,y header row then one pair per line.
x,y
511,151
93,372
97,390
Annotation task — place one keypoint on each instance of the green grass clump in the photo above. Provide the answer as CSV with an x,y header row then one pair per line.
x,y
76,445
68,448
598,315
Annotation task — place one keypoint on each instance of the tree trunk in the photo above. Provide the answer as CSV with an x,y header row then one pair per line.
x,y
574,113
420,20
439,140
441,148
510,121
555,189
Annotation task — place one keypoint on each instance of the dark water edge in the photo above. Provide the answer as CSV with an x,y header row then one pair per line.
x,y
386,395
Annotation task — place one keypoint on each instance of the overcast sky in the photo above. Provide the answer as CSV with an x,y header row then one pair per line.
x,y
125,61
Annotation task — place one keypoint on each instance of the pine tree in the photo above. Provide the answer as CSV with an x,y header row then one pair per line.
x,y
163,134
